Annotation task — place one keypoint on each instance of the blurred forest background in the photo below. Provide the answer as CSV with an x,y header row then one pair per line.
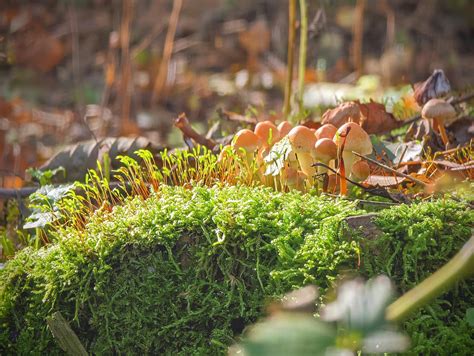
x,y
88,69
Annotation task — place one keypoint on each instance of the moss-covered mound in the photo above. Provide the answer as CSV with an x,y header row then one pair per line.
x,y
186,270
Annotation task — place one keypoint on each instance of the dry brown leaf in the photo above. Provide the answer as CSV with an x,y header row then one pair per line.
x,y
37,49
372,116
79,158
384,181
341,114
435,86
375,119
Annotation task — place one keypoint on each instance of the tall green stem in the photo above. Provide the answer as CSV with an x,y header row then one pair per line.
x,y
291,54
459,267
303,50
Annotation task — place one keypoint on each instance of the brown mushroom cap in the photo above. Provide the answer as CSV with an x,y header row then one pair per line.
x,y
246,139
302,139
326,131
356,139
325,150
361,170
284,128
267,132
438,109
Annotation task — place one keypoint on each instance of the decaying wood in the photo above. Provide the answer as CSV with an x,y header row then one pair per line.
x,y
65,336
363,224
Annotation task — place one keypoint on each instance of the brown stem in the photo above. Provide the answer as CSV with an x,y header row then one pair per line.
x,y
358,37
160,82
291,55
182,123
125,46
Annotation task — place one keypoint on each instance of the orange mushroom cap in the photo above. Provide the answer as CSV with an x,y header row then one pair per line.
x,y
324,150
356,139
326,131
361,170
302,139
284,128
246,139
267,132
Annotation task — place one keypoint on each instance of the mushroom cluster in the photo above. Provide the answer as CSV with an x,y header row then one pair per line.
x,y
329,146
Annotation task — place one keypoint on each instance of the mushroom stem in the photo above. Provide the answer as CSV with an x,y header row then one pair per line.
x,y
306,163
349,160
442,131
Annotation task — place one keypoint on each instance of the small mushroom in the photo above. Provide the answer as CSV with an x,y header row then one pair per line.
x,y
284,128
267,132
360,171
245,140
302,140
326,131
440,112
293,178
325,150
350,138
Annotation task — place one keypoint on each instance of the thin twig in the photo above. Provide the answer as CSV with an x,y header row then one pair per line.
x,y
303,49
381,165
378,191
182,123
358,37
290,55
162,77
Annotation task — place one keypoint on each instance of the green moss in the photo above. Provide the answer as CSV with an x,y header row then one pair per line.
x,y
184,271
418,240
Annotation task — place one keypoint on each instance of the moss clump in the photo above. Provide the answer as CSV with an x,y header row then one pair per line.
x,y
185,270
417,241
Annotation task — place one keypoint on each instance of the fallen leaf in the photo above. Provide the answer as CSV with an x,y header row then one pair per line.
x,y
372,116
375,119
341,114
79,158
384,181
37,49
435,86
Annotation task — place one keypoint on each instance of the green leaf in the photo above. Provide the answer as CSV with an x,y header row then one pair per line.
x,y
54,193
361,306
288,334
275,160
40,220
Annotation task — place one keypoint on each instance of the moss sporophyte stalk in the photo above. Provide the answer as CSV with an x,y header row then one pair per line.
x,y
186,269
